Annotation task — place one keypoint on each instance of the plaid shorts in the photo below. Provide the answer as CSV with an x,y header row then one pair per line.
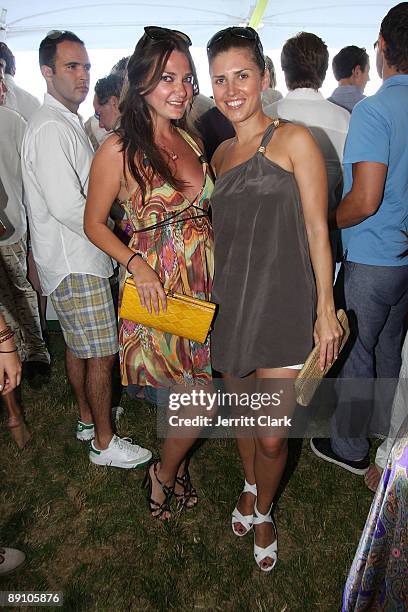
x,y
84,307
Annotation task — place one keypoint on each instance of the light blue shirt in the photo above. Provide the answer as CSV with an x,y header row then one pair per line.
x,y
379,133
347,96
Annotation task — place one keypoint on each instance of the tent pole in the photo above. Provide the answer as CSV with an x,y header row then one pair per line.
x,y
3,14
257,14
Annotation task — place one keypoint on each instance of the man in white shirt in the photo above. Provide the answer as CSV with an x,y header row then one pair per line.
x,y
18,300
56,161
17,99
304,61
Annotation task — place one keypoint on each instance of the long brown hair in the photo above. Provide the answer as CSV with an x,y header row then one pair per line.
x,y
141,156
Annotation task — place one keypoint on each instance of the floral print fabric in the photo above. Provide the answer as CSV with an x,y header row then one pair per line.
x,y
180,250
378,579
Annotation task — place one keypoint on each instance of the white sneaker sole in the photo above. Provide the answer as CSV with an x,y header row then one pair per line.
x,y
127,465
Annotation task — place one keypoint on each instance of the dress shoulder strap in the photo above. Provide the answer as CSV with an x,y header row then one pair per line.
x,y
269,133
190,141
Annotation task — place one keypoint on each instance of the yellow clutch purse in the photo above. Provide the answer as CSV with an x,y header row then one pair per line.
x,y
310,375
185,316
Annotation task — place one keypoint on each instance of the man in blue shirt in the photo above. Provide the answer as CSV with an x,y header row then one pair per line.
x,y
373,215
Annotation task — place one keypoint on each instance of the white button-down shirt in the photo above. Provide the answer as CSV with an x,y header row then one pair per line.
x,y
19,99
12,211
310,108
56,160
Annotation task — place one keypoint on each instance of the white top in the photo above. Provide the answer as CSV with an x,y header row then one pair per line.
x,y
12,211
56,160
310,108
19,99
95,133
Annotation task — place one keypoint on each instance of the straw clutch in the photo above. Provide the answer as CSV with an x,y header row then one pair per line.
x,y
310,375
185,316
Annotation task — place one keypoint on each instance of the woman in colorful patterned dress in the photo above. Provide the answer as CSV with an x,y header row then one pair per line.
x,y
158,174
378,575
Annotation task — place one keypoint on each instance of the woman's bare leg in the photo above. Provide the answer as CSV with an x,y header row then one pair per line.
x,y
270,460
246,449
173,457
14,412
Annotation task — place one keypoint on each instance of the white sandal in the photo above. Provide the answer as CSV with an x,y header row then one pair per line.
x,y
270,551
245,520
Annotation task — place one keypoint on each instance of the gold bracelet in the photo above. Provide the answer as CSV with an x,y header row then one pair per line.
x,y
8,337
5,331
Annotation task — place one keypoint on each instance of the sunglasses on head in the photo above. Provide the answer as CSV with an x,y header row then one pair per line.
x,y
239,32
55,34
158,33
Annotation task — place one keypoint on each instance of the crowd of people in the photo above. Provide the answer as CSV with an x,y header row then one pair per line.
x,y
250,200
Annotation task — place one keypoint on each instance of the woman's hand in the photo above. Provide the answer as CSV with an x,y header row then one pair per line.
x,y
328,333
10,369
148,285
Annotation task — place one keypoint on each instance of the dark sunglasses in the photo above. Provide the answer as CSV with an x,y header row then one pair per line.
x,y
158,33
375,45
239,32
55,34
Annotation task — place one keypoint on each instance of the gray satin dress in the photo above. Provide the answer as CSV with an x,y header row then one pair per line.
x,y
264,284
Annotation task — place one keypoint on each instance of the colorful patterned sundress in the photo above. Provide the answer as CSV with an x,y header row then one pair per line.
x,y
378,578
180,249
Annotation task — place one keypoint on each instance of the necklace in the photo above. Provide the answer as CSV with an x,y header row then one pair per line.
x,y
173,156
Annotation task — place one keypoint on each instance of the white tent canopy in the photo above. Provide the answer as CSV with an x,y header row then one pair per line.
x,y
119,24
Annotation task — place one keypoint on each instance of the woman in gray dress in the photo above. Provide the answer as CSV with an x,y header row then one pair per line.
x,y
272,253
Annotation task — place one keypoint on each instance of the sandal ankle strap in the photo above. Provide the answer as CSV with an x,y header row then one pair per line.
x,y
250,488
262,518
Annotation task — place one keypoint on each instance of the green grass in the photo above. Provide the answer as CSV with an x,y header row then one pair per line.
x,y
87,532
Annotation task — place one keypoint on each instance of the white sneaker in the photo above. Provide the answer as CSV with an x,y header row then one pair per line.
x,y
84,431
120,453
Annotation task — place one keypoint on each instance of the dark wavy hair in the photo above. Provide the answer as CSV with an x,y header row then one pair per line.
x,y
304,61
7,55
141,156
394,30
347,59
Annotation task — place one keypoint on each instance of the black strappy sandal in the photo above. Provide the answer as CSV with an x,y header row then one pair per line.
x,y
189,497
157,510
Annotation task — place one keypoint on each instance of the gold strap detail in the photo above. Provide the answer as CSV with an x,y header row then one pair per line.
x,y
275,123
190,141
